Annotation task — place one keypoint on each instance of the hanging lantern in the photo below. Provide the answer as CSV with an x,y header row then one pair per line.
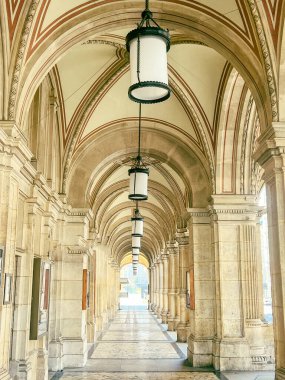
x,y
136,242
138,183
135,270
137,224
148,47
138,173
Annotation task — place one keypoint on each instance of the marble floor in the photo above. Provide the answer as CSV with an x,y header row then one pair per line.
x,y
136,346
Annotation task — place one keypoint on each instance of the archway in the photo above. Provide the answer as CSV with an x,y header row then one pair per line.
x,y
134,288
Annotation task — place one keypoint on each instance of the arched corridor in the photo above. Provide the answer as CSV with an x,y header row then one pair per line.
x,y
177,280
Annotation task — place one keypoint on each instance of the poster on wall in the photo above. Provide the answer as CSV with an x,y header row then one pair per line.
x,y
85,289
40,298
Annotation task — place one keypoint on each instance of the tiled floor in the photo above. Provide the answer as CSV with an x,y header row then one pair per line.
x,y
136,347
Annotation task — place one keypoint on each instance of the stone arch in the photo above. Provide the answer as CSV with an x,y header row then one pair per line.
x,y
282,80
189,162
180,17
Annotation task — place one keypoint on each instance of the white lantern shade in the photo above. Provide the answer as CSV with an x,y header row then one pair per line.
x,y
135,257
149,45
138,183
135,251
136,242
137,226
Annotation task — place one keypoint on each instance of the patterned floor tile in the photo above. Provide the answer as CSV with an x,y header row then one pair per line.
x,y
135,350
134,335
141,376
136,347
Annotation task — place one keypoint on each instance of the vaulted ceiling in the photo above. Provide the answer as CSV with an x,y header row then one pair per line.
x,y
216,68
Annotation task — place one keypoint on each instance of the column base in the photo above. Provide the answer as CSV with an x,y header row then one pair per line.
x,y
91,332
170,323
42,364
164,316
183,332
152,307
55,355
4,374
158,312
231,354
280,374
20,369
176,322
199,351
74,352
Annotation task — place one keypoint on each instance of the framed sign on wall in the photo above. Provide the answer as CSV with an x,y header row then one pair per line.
x,y
7,289
40,298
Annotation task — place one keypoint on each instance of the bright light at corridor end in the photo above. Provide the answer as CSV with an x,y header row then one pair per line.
x,y
148,47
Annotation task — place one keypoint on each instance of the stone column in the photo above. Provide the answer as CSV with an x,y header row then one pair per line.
x,y
271,156
156,286
202,289
14,155
183,241
159,315
172,249
231,216
151,288
177,289
164,313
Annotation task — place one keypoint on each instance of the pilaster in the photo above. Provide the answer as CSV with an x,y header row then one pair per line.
x,y
270,154
172,249
230,216
182,238
164,313
202,289
156,286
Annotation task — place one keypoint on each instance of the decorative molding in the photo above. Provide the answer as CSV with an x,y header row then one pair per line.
x,y
19,59
262,359
200,129
243,146
216,211
81,122
199,214
267,59
77,251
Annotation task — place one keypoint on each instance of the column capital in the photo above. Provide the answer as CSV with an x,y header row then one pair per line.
x,y
198,215
271,143
164,256
233,207
182,236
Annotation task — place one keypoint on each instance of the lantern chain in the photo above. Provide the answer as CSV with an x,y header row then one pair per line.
x,y
139,148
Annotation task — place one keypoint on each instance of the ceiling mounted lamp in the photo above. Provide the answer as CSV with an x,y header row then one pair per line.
x,y
137,223
148,46
138,173
136,242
